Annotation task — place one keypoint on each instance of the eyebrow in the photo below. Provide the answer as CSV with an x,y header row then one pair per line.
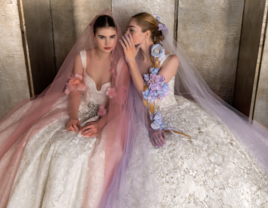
x,y
106,36
130,26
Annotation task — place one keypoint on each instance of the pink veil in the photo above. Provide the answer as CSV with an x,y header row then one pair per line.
x,y
31,115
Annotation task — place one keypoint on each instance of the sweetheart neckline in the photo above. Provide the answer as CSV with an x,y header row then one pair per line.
x,y
95,82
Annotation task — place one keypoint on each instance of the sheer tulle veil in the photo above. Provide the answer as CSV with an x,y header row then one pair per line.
x,y
189,84
30,116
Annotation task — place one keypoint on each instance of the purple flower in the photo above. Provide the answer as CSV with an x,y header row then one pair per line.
x,y
146,77
155,79
162,27
157,88
156,17
150,96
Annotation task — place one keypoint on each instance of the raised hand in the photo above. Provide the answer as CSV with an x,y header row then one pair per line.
x,y
157,137
91,129
73,125
129,48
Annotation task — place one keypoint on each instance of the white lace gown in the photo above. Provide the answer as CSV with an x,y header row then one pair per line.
x,y
209,170
54,163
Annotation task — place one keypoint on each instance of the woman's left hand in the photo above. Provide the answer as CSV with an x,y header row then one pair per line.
x,y
129,47
157,137
91,129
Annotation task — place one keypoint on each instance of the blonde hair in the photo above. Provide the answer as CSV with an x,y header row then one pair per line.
x,y
148,22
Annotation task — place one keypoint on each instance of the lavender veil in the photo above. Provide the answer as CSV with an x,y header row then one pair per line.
x,y
189,84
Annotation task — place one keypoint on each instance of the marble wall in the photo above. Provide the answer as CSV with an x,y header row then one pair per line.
x,y
209,31
13,73
260,103
124,9
248,56
70,18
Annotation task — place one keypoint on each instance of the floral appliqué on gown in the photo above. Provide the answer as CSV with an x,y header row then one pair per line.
x,y
55,161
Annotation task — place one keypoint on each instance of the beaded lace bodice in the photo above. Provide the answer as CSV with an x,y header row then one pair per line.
x,y
92,97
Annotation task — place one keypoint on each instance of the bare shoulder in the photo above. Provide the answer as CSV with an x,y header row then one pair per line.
x,y
173,59
171,63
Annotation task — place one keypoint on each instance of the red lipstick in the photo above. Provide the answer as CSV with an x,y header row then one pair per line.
x,y
107,48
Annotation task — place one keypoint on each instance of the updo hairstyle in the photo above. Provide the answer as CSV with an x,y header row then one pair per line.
x,y
148,22
103,21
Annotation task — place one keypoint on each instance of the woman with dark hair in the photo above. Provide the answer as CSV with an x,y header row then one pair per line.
x,y
219,160
55,150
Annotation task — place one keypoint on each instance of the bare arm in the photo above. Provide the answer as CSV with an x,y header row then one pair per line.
x,y
75,99
169,68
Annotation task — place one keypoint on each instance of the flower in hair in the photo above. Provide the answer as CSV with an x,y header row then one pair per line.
x,y
157,50
162,27
156,17
111,92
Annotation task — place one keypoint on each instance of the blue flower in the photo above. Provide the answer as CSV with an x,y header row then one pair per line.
x,y
146,94
156,121
157,50
154,70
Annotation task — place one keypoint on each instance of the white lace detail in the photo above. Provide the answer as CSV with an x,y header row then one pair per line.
x,y
209,170
170,99
55,161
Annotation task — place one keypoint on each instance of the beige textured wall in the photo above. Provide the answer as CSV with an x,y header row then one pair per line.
x,y
261,103
13,77
70,18
124,9
209,31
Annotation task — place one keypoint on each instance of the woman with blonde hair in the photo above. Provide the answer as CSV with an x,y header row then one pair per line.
x,y
197,151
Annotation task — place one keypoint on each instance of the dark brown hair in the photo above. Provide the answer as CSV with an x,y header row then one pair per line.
x,y
103,21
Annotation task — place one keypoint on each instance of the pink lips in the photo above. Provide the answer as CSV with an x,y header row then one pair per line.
x,y
107,48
